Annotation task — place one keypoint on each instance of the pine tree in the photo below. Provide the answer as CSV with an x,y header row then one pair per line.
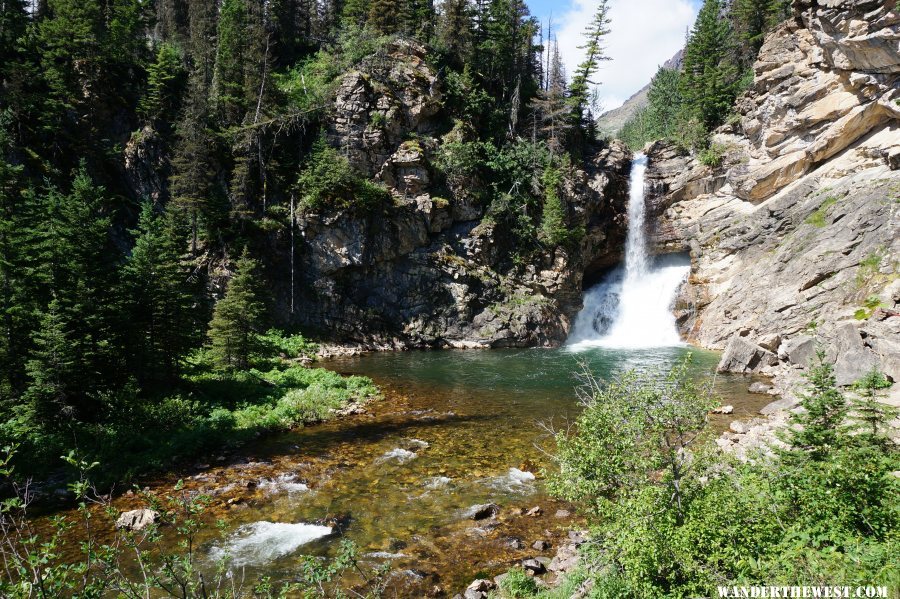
x,y
355,13
13,25
202,16
89,52
294,28
505,34
237,318
753,19
385,16
171,20
873,417
232,55
51,396
70,46
455,30
710,78
551,108
553,221
159,299
16,300
816,429
165,84
579,90
193,166
417,19
84,313
665,102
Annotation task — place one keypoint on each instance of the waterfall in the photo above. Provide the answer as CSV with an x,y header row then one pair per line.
x,y
632,307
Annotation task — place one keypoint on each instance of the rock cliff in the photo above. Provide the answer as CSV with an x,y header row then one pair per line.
x,y
794,236
430,271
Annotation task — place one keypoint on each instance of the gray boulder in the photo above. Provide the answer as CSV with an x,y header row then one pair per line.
x,y
534,566
799,350
759,388
853,365
742,355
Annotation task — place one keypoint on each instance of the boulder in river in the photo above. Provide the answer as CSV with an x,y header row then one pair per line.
x,y
136,520
742,355
483,511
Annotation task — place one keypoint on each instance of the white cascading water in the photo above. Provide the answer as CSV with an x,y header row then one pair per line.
x,y
632,307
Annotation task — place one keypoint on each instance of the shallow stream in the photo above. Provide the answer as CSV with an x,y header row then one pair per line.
x,y
456,429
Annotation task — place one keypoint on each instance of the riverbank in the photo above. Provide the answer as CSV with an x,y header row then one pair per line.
x,y
210,412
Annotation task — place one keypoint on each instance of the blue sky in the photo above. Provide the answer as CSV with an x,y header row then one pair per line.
x,y
645,34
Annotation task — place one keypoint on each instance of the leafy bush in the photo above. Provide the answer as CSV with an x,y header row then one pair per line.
x,y
823,509
292,346
328,182
713,155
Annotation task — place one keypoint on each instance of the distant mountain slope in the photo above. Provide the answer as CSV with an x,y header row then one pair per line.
x,y
611,122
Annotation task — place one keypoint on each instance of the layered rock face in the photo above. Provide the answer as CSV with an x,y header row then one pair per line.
x,y
795,237
429,271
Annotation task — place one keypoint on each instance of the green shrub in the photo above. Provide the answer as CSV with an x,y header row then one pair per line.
x,y
823,509
292,346
713,155
328,182
518,584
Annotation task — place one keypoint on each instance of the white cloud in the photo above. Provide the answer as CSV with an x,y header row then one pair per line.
x,y
645,34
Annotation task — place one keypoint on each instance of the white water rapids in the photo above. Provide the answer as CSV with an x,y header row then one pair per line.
x,y
632,307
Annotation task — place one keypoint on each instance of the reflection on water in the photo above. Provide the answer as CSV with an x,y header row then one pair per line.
x,y
457,429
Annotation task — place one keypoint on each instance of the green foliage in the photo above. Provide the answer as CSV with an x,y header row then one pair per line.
x,y
161,306
662,117
713,155
554,230
815,431
165,83
77,346
753,19
630,429
241,48
596,31
823,510
871,414
328,182
684,106
869,267
872,303
237,318
290,346
517,584
710,79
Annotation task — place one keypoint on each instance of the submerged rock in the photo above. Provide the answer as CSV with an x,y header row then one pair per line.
x,y
759,389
